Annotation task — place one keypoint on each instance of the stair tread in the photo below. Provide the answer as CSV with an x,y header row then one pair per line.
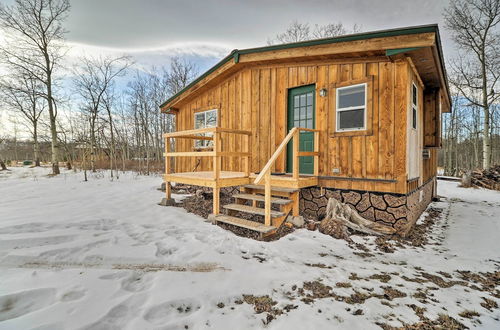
x,y
248,224
261,198
252,210
281,189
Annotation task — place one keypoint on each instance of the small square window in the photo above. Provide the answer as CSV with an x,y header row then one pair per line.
x,y
205,119
351,108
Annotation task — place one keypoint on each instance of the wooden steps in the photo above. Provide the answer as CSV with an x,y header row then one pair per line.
x,y
260,198
274,189
243,223
251,195
252,210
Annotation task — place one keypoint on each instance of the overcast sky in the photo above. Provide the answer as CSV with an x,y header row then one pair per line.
x,y
204,31
233,24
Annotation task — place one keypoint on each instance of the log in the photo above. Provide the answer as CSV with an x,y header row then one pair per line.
x,y
488,178
343,213
467,179
2,166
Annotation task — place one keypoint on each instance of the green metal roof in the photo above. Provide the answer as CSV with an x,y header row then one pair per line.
x,y
235,54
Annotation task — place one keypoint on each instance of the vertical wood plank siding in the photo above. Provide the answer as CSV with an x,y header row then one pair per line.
x,y
255,99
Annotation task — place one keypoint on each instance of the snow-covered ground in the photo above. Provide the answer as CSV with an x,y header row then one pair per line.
x,y
102,255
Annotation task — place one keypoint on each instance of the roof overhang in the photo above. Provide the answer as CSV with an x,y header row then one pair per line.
x,y
420,43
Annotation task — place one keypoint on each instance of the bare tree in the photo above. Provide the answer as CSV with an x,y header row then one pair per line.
x,y
180,74
295,32
36,36
298,31
22,94
108,100
474,27
93,79
333,30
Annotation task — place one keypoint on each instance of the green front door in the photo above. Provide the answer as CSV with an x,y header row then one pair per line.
x,y
301,113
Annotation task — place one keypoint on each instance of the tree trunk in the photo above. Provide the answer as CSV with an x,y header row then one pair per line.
x,y
92,145
486,109
84,165
486,137
2,166
36,146
52,117
112,159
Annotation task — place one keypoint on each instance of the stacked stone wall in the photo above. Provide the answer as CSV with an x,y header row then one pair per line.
x,y
395,210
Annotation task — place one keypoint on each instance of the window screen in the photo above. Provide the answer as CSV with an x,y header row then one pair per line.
x,y
351,119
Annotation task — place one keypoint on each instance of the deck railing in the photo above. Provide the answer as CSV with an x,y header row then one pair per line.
x,y
216,153
265,173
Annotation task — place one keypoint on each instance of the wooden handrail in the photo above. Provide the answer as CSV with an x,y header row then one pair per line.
x,y
304,129
281,148
265,174
190,132
232,131
275,156
195,137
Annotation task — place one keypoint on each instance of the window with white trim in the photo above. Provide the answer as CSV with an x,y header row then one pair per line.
x,y
205,119
414,105
351,108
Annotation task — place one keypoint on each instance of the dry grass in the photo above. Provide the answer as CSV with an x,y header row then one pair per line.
x,y
468,314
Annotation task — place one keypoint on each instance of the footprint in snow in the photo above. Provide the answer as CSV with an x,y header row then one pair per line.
x,y
74,294
163,250
24,302
137,282
113,276
120,315
170,310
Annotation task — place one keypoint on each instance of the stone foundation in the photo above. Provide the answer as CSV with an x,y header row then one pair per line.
x,y
395,210
418,200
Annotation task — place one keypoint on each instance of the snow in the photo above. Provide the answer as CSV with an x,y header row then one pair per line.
x,y
103,255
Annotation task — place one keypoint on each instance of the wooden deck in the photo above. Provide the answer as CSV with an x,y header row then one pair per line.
x,y
217,179
228,179
287,181
207,178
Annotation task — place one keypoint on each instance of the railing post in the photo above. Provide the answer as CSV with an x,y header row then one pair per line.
x,y
295,154
267,199
216,169
216,157
316,156
168,191
247,150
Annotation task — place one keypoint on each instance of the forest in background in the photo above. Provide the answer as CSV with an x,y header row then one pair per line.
x,y
111,118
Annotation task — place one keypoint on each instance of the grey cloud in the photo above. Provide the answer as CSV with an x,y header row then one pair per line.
x,y
239,24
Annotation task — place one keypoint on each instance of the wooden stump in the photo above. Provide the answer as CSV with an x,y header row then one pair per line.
x,y
338,214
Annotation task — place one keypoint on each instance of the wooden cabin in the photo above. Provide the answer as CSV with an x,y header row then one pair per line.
x,y
356,117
